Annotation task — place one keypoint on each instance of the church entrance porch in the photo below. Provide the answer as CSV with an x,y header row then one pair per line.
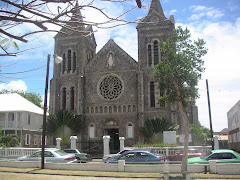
x,y
114,140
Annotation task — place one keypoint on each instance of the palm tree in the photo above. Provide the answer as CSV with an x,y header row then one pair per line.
x,y
155,127
64,124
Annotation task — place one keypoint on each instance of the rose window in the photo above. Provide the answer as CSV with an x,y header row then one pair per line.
x,y
110,87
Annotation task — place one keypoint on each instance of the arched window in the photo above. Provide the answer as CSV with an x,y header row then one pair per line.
x,y
92,110
96,109
155,52
64,98
124,108
91,131
152,94
72,98
64,63
162,104
69,60
130,130
119,109
110,109
74,61
115,109
134,108
101,109
129,108
149,55
105,109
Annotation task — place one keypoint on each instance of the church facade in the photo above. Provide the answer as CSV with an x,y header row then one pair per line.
x,y
113,92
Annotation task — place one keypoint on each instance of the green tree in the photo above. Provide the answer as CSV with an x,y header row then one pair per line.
x,y
64,124
178,74
200,134
155,127
31,96
10,140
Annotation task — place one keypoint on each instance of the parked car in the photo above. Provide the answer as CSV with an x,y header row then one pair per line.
x,y
138,156
221,156
115,155
81,157
50,155
191,153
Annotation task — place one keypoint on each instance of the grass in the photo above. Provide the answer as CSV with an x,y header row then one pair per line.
x,y
112,174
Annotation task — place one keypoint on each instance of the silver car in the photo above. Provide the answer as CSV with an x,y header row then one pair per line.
x,y
50,155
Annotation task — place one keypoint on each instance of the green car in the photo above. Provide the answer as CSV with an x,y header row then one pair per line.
x,y
81,157
221,156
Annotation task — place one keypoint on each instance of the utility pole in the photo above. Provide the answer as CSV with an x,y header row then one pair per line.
x,y
210,117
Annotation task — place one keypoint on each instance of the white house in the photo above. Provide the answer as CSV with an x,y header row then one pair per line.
x,y
233,116
20,116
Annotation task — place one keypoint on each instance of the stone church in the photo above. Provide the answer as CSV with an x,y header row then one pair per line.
x,y
113,92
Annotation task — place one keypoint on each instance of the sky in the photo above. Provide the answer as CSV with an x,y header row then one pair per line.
x,y
215,21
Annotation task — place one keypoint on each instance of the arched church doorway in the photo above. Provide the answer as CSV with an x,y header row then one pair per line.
x,y
111,129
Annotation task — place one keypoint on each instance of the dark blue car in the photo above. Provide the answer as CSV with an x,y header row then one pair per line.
x,y
138,157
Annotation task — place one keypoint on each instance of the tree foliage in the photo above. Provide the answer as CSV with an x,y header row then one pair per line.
x,y
181,62
155,126
30,96
178,74
10,140
200,135
63,125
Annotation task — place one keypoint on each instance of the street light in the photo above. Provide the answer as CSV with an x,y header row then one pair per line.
x,y
57,60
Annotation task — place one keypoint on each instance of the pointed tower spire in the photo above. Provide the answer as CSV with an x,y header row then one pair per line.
x,y
77,16
156,7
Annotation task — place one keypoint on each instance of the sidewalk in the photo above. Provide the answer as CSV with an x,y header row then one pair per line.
x,y
28,173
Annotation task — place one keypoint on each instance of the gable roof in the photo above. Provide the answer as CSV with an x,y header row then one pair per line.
x,y
15,102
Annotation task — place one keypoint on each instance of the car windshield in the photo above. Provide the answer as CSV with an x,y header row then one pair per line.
x,y
60,152
207,154
70,151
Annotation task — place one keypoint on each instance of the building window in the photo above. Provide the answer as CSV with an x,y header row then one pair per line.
x,y
69,60
11,117
130,130
74,61
92,110
28,119
124,108
129,108
64,98
149,55
155,52
152,94
101,109
64,63
72,98
105,109
162,104
119,109
91,131
110,109
96,109
45,140
115,109
35,139
27,139
134,108
111,87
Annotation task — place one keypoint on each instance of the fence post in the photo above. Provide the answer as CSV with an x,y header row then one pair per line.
x,y
213,166
106,149
121,139
73,140
58,143
216,143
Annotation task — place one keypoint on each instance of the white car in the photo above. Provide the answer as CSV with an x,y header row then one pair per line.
x,y
50,155
115,155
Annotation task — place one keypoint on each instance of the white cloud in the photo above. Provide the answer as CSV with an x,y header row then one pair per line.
x,y
172,12
14,85
203,11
